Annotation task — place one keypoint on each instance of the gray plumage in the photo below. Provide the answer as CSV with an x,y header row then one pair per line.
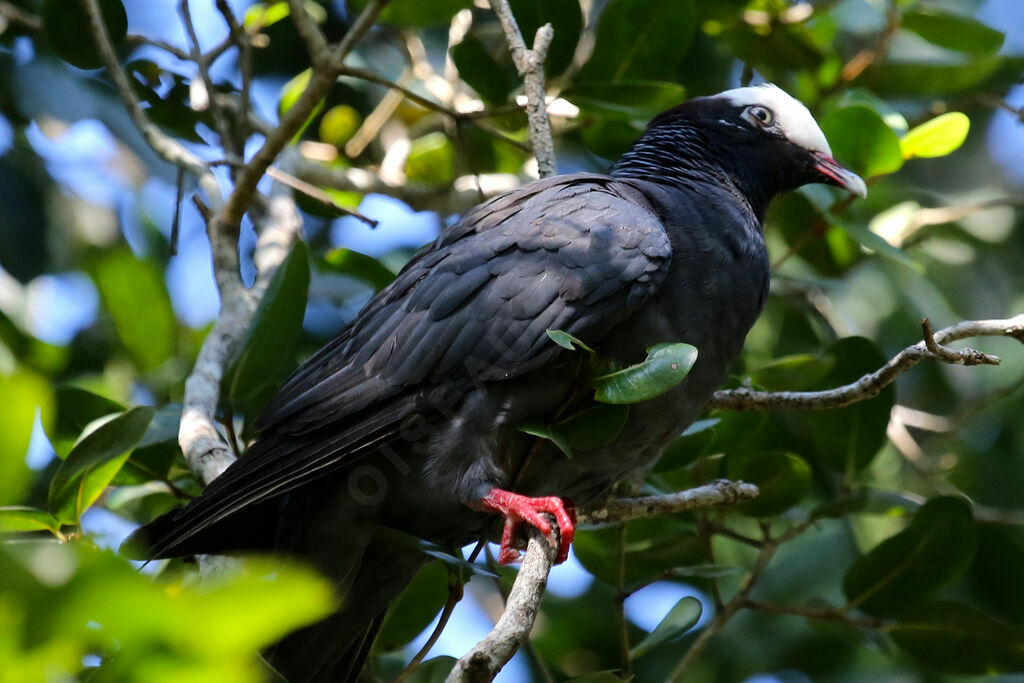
x,y
411,415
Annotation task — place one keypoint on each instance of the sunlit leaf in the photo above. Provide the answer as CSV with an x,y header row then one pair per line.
x,y
339,124
936,138
14,518
666,366
431,159
94,461
24,395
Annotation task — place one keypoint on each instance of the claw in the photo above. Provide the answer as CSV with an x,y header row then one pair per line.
x,y
518,509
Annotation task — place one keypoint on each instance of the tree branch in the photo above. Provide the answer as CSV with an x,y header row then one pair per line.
x,y
530,65
487,657
932,347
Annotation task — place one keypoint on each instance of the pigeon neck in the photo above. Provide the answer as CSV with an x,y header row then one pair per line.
x,y
683,156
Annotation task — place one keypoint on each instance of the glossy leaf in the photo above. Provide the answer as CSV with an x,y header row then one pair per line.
x,y
15,518
264,14
860,139
360,266
952,31
544,431
625,99
567,341
631,42
916,563
666,366
683,616
64,23
77,407
94,461
936,138
958,639
265,353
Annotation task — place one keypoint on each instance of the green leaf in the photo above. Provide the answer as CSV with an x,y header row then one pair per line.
x,y
266,351
783,479
593,427
264,14
431,159
94,461
936,138
24,394
290,94
567,341
859,137
625,100
952,31
680,619
360,266
643,39
912,566
666,366
15,518
66,26
958,639
77,407
415,608
565,17
792,373
653,547
845,439
452,560
492,79
692,444
930,80
135,295
544,431
434,670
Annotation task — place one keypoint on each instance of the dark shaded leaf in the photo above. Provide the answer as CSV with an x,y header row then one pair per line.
x,y
415,608
544,431
952,31
783,479
632,41
266,351
666,366
913,565
683,616
66,27
653,547
565,18
413,13
437,552
94,461
593,427
478,67
958,639
625,99
77,407
433,670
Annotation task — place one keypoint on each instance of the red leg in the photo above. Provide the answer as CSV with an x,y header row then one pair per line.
x,y
518,509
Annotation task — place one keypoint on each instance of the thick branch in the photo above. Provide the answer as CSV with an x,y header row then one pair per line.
x,y
487,657
868,386
530,64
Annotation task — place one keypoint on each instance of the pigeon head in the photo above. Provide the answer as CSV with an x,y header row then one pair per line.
x,y
759,139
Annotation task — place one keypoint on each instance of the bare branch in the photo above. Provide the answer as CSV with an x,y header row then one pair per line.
x,y
721,492
487,657
316,193
868,386
530,65
20,18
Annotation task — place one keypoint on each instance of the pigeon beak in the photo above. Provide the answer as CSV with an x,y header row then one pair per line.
x,y
840,177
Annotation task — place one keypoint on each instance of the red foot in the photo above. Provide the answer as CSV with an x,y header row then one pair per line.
x,y
516,509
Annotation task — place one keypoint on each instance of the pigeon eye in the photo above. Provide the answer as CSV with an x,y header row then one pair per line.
x,y
762,115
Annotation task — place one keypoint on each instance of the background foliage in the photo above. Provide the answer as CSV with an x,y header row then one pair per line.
x,y
902,515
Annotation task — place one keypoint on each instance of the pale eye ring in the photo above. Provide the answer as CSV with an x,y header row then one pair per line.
x,y
762,115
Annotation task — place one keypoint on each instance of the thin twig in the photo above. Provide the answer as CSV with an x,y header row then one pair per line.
x,y
316,193
530,65
197,56
871,384
825,614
